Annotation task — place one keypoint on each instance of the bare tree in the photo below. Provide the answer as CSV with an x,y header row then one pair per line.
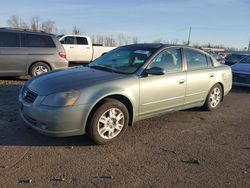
x,y
175,41
49,26
16,22
93,39
159,40
100,39
13,22
62,31
76,31
109,41
135,40
35,23
123,40
24,25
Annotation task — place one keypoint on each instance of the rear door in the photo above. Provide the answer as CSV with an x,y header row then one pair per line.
x,y
84,49
13,58
159,93
200,75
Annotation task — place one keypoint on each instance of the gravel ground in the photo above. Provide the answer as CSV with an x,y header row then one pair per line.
x,y
191,148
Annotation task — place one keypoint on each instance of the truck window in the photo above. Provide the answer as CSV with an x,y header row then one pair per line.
x,y
9,39
39,41
68,40
82,40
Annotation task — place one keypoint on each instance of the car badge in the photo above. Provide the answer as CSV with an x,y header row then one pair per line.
x,y
25,93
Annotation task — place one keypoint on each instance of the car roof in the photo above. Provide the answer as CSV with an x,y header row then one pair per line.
x,y
160,46
24,31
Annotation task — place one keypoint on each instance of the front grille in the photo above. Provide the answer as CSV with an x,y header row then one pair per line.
x,y
241,78
29,96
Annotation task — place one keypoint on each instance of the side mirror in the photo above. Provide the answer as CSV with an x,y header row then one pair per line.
x,y
155,71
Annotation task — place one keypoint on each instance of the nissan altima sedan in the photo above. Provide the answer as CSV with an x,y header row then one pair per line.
x,y
241,72
127,84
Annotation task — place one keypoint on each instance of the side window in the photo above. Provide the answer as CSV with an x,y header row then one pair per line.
x,y
9,39
81,41
39,41
169,60
69,40
195,59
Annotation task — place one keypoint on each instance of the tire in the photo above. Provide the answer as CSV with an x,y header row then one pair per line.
x,y
214,98
39,68
102,127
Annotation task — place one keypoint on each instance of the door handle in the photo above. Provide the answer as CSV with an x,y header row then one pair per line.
x,y
211,75
181,81
88,48
71,47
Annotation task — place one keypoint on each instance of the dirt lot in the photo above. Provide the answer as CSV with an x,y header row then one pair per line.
x,y
191,148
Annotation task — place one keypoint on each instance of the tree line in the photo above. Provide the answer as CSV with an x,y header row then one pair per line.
x,y
49,26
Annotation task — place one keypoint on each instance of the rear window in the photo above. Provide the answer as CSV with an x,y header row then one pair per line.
x,y
39,41
82,40
9,39
236,56
195,59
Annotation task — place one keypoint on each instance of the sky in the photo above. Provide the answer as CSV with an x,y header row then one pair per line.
x,y
220,22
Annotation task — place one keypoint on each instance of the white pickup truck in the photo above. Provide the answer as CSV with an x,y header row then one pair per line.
x,y
80,48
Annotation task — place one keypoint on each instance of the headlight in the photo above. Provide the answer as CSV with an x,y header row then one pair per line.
x,y
61,99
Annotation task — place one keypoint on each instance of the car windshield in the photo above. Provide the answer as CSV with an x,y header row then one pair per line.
x,y
216,56
236,56
123,60
246,60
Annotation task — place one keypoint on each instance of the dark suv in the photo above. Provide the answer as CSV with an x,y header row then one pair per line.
x,y
24,52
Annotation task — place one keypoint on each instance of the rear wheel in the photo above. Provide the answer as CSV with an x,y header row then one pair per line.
x,y
108,122
214,97
39,68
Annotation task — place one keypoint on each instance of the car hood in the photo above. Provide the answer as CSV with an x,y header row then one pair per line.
x,y
241,68
75,78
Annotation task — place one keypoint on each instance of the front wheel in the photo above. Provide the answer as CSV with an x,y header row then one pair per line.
x,y
108,121
214,97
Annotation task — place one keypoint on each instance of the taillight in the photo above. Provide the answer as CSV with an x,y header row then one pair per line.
x,y
62,55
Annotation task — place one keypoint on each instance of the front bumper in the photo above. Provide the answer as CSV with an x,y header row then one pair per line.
x,y
241,79
51,121
241,84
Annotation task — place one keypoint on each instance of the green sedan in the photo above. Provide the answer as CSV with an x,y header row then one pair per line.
x,y
127,84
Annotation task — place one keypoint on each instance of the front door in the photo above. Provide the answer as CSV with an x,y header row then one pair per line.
x,y
160,93
69,44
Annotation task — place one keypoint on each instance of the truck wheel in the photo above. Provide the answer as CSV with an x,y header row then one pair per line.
x,y
108,122
39,68
214,97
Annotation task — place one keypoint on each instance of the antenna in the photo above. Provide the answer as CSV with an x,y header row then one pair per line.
x,y
248,49
189,35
